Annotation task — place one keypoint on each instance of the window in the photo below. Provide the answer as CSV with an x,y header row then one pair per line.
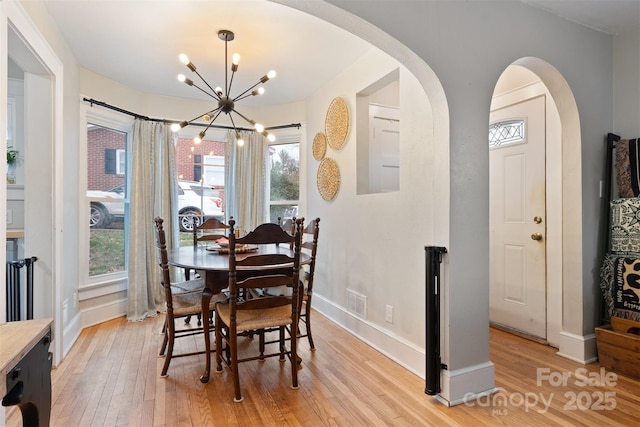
x,y
201,189
201,178
506,133
106,198
121,162
284,180
214,171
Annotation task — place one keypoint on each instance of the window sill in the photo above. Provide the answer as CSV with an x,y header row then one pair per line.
x,y
104,287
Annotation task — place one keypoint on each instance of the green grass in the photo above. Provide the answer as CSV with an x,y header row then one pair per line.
x,y
106,250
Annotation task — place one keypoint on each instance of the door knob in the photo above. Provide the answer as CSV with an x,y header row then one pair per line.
x,y
536,236
537,219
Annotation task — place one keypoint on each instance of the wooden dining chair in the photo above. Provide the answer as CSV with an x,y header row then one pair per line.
x,y
271,268
309,246
208,232
183,299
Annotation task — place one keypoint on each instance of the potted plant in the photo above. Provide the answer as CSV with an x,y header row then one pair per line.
x,y
12,159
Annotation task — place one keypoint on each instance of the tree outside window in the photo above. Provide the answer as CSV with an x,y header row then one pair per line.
x,y
284,178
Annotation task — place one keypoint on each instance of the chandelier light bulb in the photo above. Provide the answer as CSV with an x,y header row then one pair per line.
x,y
271,74
260,90
206,118
240,142
259,127
185,60
219,91
175,127
236,59
271,137
185,79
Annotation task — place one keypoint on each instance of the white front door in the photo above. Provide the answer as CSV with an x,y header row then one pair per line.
x,y
517,217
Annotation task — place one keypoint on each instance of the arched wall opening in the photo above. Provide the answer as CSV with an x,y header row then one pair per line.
x,y
564,250
437,213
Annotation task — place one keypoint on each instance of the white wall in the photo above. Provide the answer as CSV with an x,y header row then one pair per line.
x,y
626,84
360,247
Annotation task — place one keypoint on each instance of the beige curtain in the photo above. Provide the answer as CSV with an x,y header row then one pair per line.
x,y
153,192
245,180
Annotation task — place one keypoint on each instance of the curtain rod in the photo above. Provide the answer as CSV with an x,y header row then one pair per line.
x,y
141,117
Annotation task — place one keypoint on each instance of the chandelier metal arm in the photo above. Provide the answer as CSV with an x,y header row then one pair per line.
x,y
202,115
213,120
216,96
238,98
233,123
244,117
204,132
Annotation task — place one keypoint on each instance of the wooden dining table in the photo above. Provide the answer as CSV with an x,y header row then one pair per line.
x,y
215,262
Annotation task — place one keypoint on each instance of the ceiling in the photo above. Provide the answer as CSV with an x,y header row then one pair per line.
x,y
137,43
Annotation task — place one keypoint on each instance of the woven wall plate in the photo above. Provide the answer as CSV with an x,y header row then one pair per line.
x,y
328,179
336,124
319,146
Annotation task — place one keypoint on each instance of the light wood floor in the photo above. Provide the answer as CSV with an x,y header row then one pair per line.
x,y
111,378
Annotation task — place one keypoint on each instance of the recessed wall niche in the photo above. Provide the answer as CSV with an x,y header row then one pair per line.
x,y
378,136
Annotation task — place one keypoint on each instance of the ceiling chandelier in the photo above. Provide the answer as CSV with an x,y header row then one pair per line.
x,y
225,102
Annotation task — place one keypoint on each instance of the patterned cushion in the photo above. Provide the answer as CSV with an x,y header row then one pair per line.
x,y
620,284
623,169
625,227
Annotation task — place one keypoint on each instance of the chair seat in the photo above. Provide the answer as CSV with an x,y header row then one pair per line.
x,y
187,297
249,320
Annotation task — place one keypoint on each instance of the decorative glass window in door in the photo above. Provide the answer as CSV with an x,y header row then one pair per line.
x,y
506,133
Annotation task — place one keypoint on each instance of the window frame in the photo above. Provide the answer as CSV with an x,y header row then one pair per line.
x,y
121,160
284,138
104,284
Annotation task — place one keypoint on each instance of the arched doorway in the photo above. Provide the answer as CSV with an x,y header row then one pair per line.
x,y
531,78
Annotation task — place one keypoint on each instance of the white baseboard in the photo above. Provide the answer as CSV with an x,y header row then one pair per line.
x,y
581,349
70,335
102,313
396,348
456,384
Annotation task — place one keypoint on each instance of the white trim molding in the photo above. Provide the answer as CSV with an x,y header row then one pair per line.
x,y
398,349
581,349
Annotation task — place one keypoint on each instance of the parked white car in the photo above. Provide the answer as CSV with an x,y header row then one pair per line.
x,y
196,202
